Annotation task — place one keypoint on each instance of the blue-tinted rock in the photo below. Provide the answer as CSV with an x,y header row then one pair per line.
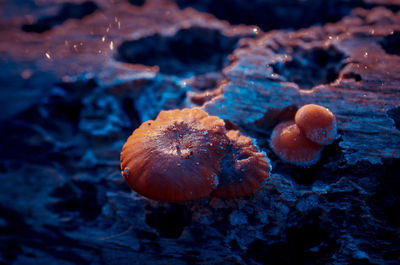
x,y
68,103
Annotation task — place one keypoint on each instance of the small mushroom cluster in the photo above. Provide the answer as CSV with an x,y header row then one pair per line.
x,y
301,141
186,155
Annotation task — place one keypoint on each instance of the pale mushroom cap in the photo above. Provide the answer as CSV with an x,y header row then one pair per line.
x,y
244,168
290,144
317,123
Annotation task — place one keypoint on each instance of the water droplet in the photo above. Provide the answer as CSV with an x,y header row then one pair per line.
x,y
26,73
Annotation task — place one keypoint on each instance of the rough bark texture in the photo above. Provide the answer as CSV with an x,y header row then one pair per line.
x,y
349,67
77,77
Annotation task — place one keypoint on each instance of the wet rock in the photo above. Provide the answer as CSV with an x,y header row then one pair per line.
x,y
67,11
72,94
283,14
194,50
283,69
102,116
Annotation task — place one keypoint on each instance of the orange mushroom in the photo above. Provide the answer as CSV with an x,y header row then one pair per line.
x,y
291,145
175,157
317,123
244,168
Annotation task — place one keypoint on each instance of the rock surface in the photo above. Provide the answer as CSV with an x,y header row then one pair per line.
x,y
78,76
338,66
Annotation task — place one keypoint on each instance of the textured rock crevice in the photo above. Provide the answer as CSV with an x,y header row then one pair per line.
x,y
194,50
310,68
279,15
67,11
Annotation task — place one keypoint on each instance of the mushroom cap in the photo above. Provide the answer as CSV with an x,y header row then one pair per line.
x,y
175,157
244,169
317,123
290,144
